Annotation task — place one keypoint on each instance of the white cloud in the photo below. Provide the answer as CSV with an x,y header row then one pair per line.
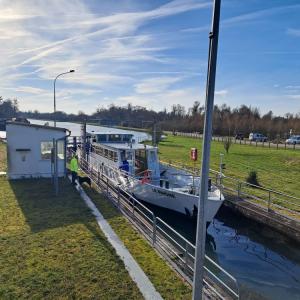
x,y
295,97
221,93
293,32
252,16
185,97
155,85
30,90
292,87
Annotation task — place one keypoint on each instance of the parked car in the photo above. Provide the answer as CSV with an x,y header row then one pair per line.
x,y
239,136
257,137
293,140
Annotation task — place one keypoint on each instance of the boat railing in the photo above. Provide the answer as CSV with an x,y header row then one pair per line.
x,y
177,250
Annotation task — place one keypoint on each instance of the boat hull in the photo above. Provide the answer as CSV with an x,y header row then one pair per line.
x,y
176,201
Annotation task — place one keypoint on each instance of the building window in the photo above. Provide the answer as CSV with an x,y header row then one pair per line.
x,y
46,150
61,149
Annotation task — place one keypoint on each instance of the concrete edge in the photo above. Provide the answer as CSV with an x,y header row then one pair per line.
x,y
136,273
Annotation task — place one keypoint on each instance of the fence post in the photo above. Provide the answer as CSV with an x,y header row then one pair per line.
x,y
277,144
284,145
256,143
269,144
294,146
269,201
154,230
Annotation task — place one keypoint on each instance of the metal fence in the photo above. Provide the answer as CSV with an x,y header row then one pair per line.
x,y
269,199
269,144
174,247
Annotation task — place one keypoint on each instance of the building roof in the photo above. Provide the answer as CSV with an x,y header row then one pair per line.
x,y
36,126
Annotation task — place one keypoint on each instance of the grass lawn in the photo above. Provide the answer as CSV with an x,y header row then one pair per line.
x,y
165,280
2,157
52,248
277,169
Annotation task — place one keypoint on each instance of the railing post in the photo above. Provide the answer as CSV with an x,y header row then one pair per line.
x,y
186,256
239,189
154,230
133,205
269,202
107,185
118,197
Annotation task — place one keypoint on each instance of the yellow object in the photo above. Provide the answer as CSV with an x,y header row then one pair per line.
x,y
74,165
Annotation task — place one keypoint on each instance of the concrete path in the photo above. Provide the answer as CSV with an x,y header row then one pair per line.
x,y
137,274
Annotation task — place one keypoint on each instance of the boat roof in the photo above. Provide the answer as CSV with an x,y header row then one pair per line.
x,y
109,132
126,146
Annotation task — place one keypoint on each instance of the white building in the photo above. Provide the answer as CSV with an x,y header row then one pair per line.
x,y
29,150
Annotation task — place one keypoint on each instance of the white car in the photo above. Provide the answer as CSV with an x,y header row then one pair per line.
x,y
257,137
293,140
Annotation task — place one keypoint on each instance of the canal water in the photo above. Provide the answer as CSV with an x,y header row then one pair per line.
x,y
265,263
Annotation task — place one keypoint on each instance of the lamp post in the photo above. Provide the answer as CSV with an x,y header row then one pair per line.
x,y
71,71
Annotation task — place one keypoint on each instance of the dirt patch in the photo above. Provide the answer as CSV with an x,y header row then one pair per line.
x,y
292,161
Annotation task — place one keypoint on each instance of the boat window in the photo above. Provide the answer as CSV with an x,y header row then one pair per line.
x,y
127,137
111,155
140,161
115,156
101,137
114,138
105,153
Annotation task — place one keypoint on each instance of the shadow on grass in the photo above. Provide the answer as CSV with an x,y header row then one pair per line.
x,y
43,210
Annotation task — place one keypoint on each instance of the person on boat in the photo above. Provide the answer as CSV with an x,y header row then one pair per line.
x,y
74,168
125,166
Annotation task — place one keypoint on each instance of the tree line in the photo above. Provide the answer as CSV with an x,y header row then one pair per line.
x,y
227,121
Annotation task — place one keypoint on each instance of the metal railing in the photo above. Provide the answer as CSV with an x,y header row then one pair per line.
x,y
174,247
269,144
269,199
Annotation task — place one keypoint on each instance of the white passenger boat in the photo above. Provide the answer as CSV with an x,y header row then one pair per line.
x,y
136,168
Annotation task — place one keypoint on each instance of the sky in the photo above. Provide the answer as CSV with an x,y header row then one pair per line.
x,y
150,53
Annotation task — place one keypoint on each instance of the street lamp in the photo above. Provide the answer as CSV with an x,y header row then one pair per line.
x,y
71,71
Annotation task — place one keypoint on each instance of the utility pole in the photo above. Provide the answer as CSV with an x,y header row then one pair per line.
x,y
207,134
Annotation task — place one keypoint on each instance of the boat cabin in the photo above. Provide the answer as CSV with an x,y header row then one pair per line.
x,y
119,150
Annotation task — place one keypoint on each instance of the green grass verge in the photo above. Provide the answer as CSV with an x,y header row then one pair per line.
x,y
165,280
52,247
3,162
277,169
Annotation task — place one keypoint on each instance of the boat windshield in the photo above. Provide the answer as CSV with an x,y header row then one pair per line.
x,y
140,161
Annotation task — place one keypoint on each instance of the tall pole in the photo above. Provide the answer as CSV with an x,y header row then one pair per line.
x,y
207,134
54,94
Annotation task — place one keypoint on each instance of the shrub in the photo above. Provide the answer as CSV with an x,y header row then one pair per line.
x,y
227,144
252,178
